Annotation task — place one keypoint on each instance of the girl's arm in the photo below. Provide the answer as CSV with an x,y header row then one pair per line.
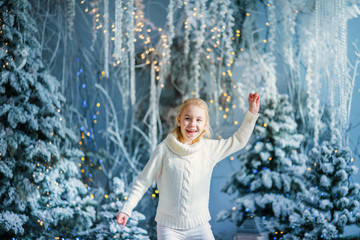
x,y
150,172
223,148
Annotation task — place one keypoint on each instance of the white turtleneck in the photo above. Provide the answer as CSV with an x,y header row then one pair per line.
x,y
183,174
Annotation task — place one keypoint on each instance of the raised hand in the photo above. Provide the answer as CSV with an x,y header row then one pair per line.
x,y
254,103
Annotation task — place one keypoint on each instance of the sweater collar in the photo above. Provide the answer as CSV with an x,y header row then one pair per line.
x,y
179,148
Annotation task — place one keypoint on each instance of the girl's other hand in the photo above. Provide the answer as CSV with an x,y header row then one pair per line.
x,y
122,218
254,103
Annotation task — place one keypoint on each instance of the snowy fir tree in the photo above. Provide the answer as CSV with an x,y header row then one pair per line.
x,y
332,200
40,189
105,226
41,193
270,177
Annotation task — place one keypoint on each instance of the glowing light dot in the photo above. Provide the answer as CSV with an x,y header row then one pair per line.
x,y
224,116
264,41
270,158
233,106
103,73
157,191
265,125
236,122
314,164
336,151
125,198
219,137
220,108
232,158
98,104
79,164
297,11
153,195
100,168
309,169
233,208
211,101
352,159
106,196
247,14
162,85
80,142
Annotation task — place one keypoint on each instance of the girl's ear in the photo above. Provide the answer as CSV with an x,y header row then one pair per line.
x,y
178,120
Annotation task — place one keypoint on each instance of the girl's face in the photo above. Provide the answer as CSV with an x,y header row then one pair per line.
x,y
192,123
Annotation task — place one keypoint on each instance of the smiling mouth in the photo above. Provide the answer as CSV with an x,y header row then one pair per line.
x,y
191,132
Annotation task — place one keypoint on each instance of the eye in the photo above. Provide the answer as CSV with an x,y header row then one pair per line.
x,y
199,120
187,118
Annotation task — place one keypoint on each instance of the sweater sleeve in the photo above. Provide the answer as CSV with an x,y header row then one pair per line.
x,y
224,147
141,184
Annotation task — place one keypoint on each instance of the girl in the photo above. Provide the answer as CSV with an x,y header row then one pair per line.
x,y
182,165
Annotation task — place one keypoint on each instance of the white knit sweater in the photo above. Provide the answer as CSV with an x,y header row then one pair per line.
x,y
183,174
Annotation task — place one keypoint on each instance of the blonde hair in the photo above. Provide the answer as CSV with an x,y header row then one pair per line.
x,y
200,103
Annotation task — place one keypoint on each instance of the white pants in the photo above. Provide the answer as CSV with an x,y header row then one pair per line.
x,y
202,232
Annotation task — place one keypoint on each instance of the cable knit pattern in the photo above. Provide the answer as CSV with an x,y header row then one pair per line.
x,y
183,174
184,199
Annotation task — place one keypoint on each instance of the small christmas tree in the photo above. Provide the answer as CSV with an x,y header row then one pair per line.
x,y
332,201
270,178
106,227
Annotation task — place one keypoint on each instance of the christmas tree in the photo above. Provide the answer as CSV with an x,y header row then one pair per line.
x,y
105,226
270,178
41,193
40,189
332,201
